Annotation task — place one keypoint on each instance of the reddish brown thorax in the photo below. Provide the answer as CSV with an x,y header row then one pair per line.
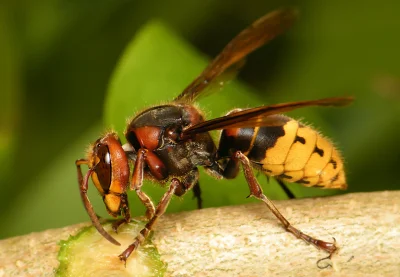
x,y
159,131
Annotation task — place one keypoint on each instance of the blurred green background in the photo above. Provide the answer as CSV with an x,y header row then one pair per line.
x,y
58,57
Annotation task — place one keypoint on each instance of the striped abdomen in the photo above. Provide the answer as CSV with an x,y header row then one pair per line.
x,y
287,150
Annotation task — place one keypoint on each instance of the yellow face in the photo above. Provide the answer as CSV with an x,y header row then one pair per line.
x,y
110,171
113,204
96,183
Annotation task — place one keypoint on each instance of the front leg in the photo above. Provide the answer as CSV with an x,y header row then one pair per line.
x,y
83,187
137,182
160,210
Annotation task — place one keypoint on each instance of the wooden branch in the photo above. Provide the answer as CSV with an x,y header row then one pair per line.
x,y
248,241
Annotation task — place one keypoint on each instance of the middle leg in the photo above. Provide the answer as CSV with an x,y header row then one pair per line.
x,y
159,211
197,195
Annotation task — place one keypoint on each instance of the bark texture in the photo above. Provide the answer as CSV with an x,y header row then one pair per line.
x,y
248,240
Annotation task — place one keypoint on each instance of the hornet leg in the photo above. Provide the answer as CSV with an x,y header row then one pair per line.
x,y
197,195
137,182
83,187
256,191
160,210
287,191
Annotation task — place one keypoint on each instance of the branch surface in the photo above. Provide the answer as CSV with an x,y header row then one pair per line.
x,y
248,240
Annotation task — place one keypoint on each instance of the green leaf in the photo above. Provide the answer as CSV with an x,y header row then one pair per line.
x,y
156,66
10,75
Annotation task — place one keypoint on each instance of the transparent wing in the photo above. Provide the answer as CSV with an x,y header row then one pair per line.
x,y
259,116
256,35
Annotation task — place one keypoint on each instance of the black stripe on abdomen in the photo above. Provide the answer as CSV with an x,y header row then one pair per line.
x,y
235,140
266,138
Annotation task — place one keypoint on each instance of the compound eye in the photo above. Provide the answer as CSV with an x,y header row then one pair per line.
x,y
103,167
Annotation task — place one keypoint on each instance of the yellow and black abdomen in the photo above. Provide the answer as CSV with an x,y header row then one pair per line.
x,y
289,151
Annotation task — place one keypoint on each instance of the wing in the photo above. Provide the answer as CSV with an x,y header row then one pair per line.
x,y
256,35
259,116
